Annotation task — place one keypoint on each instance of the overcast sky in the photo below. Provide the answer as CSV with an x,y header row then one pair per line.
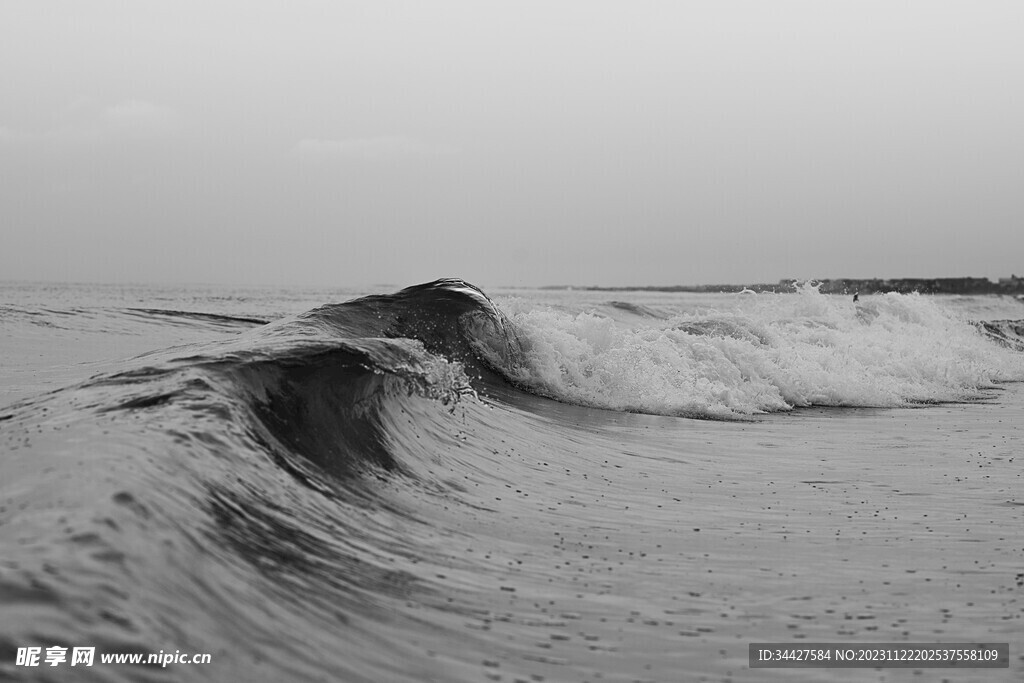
x,y
514,143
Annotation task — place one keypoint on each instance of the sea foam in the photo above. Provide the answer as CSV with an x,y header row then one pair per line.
x,y
765,352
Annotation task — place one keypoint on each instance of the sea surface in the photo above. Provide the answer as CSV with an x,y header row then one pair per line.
x,y
440,483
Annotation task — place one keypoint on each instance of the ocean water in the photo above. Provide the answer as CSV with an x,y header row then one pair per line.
x,y
446,484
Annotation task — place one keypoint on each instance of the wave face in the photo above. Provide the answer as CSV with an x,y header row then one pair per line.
x,y
251,480
317,498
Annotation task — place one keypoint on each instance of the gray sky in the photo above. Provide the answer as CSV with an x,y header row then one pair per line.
x,y
515,143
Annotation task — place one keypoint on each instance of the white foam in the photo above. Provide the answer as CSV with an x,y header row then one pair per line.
x,y
763,352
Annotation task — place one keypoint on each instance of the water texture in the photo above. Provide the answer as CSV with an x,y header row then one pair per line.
x,y
437,484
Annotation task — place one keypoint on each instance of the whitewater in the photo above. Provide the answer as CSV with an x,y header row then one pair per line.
x,y
438,483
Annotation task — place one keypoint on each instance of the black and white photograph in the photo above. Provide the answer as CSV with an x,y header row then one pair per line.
x,y
452,341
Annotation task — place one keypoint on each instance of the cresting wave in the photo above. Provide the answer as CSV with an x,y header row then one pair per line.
x,y
320,388
446,339
246,481
766,353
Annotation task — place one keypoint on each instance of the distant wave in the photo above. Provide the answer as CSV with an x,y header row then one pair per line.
x,y
636,309
192,315
1008,333
113,319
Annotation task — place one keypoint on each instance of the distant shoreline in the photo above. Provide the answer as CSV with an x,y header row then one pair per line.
x,y
956,285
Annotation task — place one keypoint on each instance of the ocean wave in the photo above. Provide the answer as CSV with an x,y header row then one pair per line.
x,y
764,353
636,309
249,480
189,317
769,353
315,386
121,320
1007,333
